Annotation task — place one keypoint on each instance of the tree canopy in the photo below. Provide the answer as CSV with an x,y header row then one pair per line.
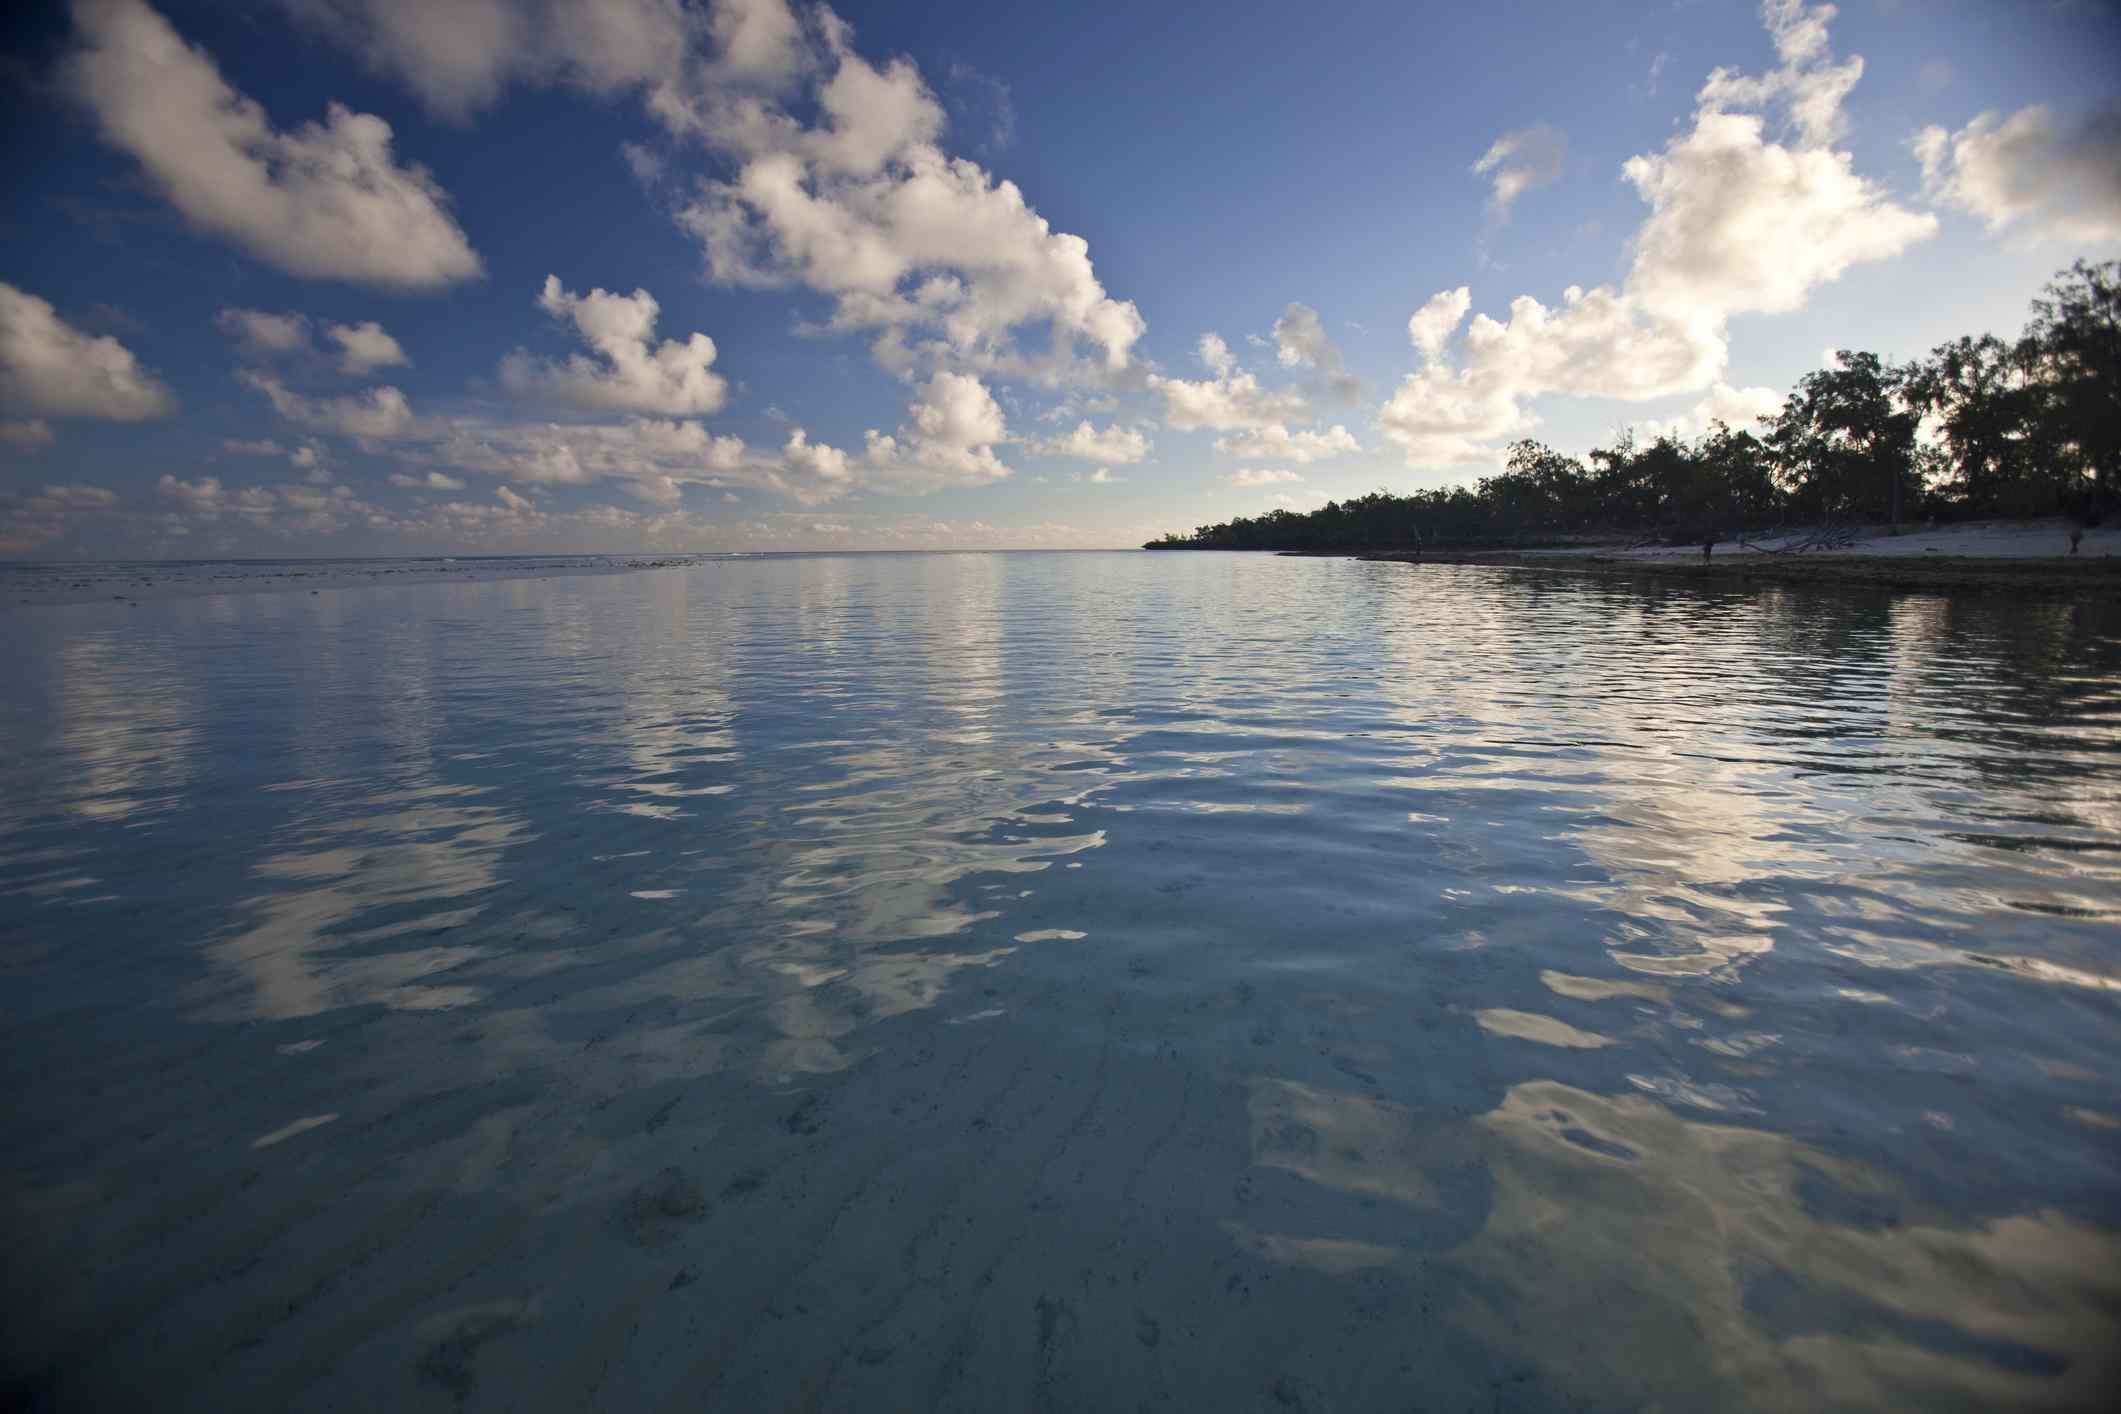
x,y
1978,427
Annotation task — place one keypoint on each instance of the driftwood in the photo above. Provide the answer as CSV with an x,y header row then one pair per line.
x,y
1831,537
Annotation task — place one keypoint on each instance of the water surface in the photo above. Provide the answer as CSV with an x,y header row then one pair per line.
x,y
1070,981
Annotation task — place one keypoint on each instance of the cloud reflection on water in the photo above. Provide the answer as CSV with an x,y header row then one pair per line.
x,y
1703,997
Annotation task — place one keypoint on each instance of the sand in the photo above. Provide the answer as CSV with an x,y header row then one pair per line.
x,y
2016,557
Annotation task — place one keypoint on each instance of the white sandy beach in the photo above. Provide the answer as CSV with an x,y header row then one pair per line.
x,y
1973,540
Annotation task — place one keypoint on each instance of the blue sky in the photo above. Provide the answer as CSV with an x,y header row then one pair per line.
x,y
373,276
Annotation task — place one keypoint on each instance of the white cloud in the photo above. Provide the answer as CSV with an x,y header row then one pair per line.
x,y
29,434
953,426
459,56
306,458
1808,84
1519,161
1124,445
324,201
1739,409
75,496
1595,344
201,495
1741,225
364,347
861,204
432,481
1737,224
649,458
1103,477
1431,326
1446,418
629,371
1231,398
376,414
262,334
48,368
1300,341
1277,443
29,519
511,500
2030,170
1263,476
811,471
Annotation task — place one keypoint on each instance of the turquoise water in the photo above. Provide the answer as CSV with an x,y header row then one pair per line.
x,y
1061,981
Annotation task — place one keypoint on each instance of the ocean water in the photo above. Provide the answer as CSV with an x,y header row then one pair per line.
x,y
1061,981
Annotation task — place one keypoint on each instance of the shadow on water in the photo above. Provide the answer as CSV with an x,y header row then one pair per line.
x,y
1059,982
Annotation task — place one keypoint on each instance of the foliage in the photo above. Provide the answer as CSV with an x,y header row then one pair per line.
x,y
1980,427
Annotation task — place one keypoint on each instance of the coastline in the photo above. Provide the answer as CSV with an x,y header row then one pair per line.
x,y
2013,557
2094,578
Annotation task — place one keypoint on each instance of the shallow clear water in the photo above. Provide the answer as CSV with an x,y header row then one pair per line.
x,y
1084,981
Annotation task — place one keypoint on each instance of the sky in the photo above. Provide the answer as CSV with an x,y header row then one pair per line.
x,y
310,277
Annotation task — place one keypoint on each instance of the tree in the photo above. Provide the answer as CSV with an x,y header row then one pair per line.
x,y
2075,343
1845,439
1986,407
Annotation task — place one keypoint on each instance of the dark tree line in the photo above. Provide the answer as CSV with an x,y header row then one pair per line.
x,y
2018,429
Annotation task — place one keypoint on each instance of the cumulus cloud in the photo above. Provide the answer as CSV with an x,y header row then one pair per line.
x,y
856,200
32,518
28,434
1231,398
29,519
1263,476
1300,341
262,334
324,201
76,496
952,428
48,368
306,458
1275,442
1431,326
1739,409
627,371
837,181
2056,181
1808,84
1123,445
375,414
1738,223
1103,477
1517,162
365,347
1742,225
432,481
652,459
459,56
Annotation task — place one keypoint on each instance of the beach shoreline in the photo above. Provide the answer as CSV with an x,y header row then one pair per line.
x,y
2014,557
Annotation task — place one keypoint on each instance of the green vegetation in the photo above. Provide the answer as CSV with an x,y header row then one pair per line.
x,y
1979,428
